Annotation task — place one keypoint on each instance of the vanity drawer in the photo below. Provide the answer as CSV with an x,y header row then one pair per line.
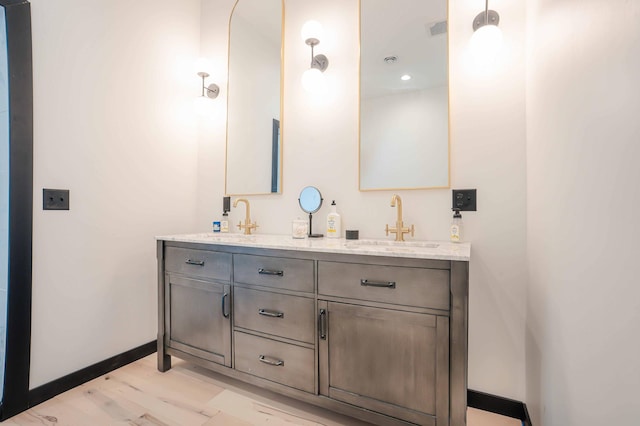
x,y
283,363
278,314
278,272
199,263
420,287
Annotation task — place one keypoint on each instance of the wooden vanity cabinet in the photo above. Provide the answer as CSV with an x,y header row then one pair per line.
x,y
196,303
198,319
390,357
274,323
382,339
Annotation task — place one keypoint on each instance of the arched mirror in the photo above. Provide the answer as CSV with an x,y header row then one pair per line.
x,y
404,95
254,102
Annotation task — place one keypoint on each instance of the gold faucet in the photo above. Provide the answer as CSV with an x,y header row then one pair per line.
x,y
399,229
248,226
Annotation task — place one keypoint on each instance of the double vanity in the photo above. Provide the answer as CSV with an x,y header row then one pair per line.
x,y
373,329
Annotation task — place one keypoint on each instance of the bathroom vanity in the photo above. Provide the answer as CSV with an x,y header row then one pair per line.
x,y
373,329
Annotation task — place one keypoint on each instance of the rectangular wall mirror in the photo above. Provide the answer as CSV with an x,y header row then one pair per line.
x,y
404,95
254,101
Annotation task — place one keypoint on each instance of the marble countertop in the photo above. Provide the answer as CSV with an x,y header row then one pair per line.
x,y
438,250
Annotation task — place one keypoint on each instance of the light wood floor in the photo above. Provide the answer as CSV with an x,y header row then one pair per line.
x,y
186,395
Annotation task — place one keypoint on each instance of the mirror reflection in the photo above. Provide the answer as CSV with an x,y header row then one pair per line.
x,y
254,103
404,94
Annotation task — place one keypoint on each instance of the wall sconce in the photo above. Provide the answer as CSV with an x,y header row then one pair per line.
x,y
487,37
313,80
203,103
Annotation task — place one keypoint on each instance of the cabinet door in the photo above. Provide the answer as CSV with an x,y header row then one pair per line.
x,y
389,361
198,320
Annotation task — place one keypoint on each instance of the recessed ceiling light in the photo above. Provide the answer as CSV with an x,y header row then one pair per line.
x,y
405,77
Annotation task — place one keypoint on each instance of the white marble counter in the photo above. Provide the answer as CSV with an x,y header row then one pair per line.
x,y
439,250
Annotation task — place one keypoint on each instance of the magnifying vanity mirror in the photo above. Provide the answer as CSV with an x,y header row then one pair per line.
x,y
254,102
310,202
404,95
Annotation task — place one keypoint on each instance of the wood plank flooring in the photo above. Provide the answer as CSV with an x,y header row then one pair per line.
x,y
186,395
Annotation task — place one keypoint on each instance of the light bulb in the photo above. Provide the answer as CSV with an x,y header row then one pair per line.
x,y
405,77
203,106
486,43
311,29
313,81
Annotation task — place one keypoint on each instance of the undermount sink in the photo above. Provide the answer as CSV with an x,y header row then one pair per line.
x,y
389,243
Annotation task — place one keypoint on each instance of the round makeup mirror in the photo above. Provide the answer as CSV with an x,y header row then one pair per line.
x,y
310,202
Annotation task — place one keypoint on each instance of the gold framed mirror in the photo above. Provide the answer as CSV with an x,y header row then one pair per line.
x,y
254,98
404,95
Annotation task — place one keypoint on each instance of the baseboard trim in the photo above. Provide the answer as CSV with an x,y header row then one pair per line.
x,y
70,381
499,405
475,399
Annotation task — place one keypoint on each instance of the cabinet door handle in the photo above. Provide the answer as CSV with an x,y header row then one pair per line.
x,y
271,361
322,324
269,313
263,271
386,284
224,305
195,262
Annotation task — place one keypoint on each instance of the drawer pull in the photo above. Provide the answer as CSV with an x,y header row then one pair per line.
x,y
195,262
271,361
386,284
224,310
322,326
263,271
268,313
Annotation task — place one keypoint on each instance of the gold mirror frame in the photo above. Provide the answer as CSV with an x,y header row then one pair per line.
x,y
281,117
448,165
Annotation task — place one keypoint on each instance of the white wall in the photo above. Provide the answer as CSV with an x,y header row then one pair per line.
x,y
113,92
320,140
583,309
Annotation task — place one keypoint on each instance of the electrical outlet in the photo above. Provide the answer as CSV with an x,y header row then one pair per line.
x,y
464,200
55,199
226,204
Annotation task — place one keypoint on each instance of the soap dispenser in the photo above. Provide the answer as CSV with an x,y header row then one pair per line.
x,y
455,232
333,222
226,207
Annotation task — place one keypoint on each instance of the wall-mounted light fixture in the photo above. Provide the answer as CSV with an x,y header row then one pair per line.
x,y
487,37
203,103
313,79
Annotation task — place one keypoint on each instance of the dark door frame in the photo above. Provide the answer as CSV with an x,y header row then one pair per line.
x,y
18,338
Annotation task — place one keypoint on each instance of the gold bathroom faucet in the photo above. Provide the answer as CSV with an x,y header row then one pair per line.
x,y
248,226
399,229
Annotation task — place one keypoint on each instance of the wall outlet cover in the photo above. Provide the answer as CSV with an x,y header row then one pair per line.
x,y
55,199
464,200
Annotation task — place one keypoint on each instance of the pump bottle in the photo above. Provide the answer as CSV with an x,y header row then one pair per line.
x,y
455,231
333,222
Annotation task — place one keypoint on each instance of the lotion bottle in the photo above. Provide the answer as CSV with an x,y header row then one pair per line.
x,y
333,222
455,232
